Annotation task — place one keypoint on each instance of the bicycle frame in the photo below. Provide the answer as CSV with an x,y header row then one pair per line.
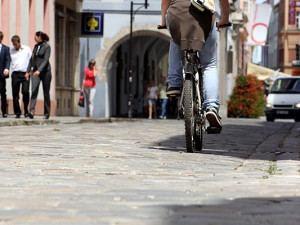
x,y
196,118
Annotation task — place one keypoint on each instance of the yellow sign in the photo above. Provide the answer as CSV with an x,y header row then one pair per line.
x,y
92,24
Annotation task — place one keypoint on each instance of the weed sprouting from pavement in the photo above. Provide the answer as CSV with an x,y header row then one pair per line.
x,y
272,169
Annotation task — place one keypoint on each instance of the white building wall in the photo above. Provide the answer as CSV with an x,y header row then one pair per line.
x,y
12,18
24,23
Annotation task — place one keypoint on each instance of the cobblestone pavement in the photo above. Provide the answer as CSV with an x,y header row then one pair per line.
x,y
130,173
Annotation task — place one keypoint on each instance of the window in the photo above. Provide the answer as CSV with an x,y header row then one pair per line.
x,y
297,52
69,50
245,6
59,30
298,20
286,86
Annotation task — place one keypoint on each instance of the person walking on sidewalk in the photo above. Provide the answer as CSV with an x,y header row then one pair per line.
x,y
20,57
89,86
152,97
163,98
40,68
4,72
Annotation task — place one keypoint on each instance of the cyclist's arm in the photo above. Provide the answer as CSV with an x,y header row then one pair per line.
x,y
225,10
164,7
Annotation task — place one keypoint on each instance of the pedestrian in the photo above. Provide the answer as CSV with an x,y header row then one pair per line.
x,y
145,98
89,86
163,98
4,73
152,98
40,69
20,57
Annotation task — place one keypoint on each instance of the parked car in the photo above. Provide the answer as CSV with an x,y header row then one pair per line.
x,y
283,100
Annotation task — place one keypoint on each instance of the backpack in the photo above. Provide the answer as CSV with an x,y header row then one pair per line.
x,y
204,5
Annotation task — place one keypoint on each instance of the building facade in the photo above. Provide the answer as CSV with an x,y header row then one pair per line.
x,y
289,36
271,50
67,56
71,51
111,51
24,18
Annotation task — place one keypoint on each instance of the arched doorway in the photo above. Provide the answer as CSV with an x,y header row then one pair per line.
x,y
150,62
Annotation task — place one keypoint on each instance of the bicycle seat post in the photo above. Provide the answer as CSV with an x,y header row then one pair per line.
x,y
192,57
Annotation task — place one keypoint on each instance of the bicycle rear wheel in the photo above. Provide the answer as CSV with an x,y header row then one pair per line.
x,y
198,136
189,114
200,120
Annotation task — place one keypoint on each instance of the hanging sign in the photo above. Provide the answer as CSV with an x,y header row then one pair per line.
x,y
260,18
92,23
292,12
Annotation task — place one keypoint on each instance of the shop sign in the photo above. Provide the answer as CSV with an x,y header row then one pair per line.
x,y
92,23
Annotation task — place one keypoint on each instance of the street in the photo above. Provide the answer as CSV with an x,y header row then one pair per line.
x,y
137,172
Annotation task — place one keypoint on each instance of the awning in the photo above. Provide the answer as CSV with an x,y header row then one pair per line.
x,y
263,73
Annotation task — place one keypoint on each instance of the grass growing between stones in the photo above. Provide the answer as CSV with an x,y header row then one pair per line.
x,y
272,169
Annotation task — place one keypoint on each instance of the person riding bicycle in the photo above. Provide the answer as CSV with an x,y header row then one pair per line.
x,y
192,29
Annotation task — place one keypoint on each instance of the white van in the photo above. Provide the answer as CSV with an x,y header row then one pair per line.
x,y
283,100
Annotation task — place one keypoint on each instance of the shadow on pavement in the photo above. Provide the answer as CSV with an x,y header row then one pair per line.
x,y
242,211
265,141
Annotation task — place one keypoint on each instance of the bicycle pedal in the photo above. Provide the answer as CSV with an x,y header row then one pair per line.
x,y
214,130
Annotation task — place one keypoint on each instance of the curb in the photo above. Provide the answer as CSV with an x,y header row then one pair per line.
x,y
30,122
27,123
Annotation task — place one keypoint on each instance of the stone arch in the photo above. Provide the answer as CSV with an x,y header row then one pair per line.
x,y
111,44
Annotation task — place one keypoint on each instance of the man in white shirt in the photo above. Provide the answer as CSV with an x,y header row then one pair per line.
x,y
20,57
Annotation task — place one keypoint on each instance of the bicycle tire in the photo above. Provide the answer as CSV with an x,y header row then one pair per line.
x,y
198,143
189,114
198,139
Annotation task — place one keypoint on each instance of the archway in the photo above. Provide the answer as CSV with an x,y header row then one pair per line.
x,y
149,62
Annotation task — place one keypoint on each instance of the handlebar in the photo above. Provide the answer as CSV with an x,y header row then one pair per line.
x,y
160,27
224,25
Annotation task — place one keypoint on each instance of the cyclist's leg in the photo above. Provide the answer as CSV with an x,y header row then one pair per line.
x,y
208,58
175,65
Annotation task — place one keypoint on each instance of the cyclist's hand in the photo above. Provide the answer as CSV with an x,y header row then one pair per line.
x,y
222,24
161,26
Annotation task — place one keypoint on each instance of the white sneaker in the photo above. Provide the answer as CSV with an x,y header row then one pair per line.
x,y
213,118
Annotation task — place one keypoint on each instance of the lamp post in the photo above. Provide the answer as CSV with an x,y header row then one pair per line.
x,y
132,13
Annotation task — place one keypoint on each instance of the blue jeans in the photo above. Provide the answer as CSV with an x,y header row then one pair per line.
x,y
163,103
208,58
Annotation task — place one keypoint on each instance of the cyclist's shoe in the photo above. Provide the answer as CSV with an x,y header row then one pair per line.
x,y
173,91
215,125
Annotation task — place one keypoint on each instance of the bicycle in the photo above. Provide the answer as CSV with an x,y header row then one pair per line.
x,y
190,103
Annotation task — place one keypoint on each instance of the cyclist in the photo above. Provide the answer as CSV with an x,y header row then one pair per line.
x,y
192,29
